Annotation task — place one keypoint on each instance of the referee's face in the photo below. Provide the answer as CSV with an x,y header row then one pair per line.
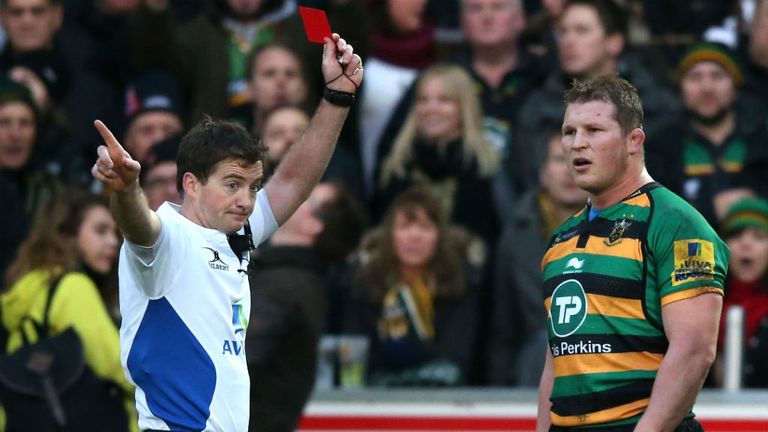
x,y
225,201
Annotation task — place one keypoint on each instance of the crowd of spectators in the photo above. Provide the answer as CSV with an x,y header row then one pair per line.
x,y
451,153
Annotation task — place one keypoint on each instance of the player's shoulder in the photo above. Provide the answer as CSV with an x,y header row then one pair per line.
x,y
668,204
671,210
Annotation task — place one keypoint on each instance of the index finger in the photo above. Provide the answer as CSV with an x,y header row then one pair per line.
x,y
107,136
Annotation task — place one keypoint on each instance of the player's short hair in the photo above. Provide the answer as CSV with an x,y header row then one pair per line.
x,y
611,89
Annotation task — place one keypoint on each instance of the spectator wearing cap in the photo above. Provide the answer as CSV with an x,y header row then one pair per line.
x,y
23,186
713,154
159,173
153,108
745,229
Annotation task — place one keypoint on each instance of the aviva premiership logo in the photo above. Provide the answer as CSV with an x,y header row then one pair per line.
x,y
694,261
239,320
568,308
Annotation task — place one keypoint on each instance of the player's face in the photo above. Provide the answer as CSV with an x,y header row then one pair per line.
x,y
17,135
148,129
277,79
438,115
707,89
556,177
281,130
594,146
227,198
414,238
491,22
749,254
584,47
97,239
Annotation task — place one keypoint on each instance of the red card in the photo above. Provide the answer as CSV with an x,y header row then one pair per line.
x,y
315,24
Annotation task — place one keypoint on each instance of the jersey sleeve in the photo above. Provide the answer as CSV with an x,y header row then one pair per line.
x,y
262,220
690,258
155,267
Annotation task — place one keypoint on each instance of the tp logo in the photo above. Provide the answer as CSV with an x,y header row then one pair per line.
x,y
568,308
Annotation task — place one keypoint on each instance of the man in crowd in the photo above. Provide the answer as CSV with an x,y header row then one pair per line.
x,y
290,286
716,153
158,175
502,70
154,111
518,345
591,42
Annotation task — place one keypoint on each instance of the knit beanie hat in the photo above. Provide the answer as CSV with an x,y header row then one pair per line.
x,y
748,212
714,52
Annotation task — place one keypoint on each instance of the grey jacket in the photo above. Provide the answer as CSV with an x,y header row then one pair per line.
x,y
518,323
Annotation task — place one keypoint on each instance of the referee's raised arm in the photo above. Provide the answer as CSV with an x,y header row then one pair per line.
x,y
120,173
305,162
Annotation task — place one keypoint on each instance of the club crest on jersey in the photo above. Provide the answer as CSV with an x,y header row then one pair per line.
x,y
615,237
216,263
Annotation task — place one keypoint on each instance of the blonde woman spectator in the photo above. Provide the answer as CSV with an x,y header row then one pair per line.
x,y
442,145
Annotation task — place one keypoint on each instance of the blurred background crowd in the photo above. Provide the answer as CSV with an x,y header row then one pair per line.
x,y
427,231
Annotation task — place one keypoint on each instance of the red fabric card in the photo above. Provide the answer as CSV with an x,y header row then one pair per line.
x,y
315,24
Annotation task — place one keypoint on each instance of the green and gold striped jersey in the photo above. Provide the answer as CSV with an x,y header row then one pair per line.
x,y
605,282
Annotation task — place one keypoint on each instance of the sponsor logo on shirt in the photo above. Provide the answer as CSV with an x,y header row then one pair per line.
x,y
239,324
694,261
239,320
216,263
568,308
581,347
574,263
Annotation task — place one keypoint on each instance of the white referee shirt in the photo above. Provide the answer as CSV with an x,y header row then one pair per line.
x,y
185,306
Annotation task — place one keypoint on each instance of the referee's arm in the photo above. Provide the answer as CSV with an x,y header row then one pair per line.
x,y
120,172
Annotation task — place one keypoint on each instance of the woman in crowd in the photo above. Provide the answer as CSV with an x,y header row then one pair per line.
x,y
71,248
414,297
442,145
745,229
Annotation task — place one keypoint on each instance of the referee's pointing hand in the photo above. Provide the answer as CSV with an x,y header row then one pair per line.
x,y
114,166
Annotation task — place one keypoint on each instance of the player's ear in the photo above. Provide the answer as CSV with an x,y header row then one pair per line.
x,y
635,141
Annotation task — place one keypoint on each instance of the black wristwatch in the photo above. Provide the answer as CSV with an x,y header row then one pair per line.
x,y
339,98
